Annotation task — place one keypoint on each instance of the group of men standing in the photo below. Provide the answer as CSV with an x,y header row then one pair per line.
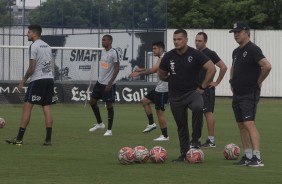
x,y
190,73
185,80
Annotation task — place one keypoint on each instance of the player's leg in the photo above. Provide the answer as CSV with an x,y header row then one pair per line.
x,y
26,114
96,94
196,106
249,107
47,101
209,100
48,123
210,142
244,135
254,141
146,102
109,97
32,96
161,99
178,106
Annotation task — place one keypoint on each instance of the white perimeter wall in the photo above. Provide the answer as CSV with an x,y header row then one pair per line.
x,y
223,43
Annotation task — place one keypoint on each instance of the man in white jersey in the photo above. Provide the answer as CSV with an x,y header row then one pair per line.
x,y
40,90
105,88
158,96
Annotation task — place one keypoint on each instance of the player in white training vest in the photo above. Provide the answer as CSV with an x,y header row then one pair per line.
x,y
158,96
105,87
40,90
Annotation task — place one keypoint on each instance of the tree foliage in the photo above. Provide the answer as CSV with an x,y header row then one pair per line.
x,y
5,16
220,14
158,14
119,14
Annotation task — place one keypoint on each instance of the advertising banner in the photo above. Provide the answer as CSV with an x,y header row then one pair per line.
x,y
127,92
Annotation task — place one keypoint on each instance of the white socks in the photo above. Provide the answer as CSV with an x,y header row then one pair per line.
x,y
211,138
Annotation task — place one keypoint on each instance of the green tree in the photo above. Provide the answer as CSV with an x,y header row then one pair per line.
x,y
221,14
5,14
118,14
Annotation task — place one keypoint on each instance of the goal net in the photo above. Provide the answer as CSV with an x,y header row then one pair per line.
x,y
69,63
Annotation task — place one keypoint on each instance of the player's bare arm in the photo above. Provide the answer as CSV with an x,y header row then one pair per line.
x,y
210,72
222,70
163,75
143,71
29,72
265,69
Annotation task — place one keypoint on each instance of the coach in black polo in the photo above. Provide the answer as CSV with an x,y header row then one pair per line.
x,y
181,67
249,69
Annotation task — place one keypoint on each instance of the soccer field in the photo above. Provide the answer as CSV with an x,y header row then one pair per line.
x,y
80,157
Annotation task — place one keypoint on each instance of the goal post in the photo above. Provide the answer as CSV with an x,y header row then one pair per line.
x,y
70,63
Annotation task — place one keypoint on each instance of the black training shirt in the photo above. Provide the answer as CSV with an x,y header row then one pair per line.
x,y
246,69
183,69
214,58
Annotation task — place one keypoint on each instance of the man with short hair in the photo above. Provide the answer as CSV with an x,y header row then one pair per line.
x,y
180,67
249,69
158,96
209,94
105,87
41,87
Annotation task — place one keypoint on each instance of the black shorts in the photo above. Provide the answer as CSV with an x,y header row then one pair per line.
x,y
99,93
245,106
41,92
209,99
158,98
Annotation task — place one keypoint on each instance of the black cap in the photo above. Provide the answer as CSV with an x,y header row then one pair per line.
x,y
239,26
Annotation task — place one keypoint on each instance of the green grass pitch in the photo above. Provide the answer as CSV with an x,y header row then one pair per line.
x,y
80,157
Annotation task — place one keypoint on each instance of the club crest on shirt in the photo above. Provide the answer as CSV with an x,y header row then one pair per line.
x,y
104,64
190,59
245,54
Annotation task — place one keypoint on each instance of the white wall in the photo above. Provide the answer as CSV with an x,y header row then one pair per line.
x,y
30,4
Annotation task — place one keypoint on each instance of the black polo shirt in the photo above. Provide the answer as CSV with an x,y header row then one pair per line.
x,y
214,58
246,69
183,69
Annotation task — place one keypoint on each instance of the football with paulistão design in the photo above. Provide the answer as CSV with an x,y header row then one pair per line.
x,y
194,156
141,154
231,151
2,122
126,156
158,154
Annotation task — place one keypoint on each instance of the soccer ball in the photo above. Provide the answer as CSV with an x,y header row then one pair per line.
x,y
125,155
141,154
158,154
231,151
2,122
194,156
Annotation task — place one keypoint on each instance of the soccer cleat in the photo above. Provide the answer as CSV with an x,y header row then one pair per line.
x,y
195,145
244,161
162,138
47,143
97,126
255,162
108,133
208,144
149,128
15,141
181,158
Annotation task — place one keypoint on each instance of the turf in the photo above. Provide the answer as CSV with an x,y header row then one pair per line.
x,y
78,156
